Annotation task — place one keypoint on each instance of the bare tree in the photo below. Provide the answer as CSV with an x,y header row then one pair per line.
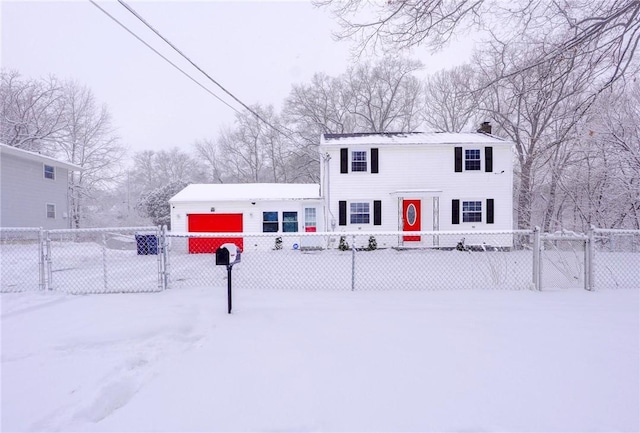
x,y
370,97
310,110
88,140
603,186
207,151
153,170
384,96
449,102
31,112
254,152
608,29
537,109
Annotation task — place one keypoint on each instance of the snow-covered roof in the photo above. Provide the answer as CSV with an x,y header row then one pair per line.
x,y
247,191
411,138
33,156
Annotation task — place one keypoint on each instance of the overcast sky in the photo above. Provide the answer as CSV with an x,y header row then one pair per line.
x,y
256,49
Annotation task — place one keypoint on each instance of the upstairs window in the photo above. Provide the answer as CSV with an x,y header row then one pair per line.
x,y
51,211
290,222
49,172
471,211
360,213
358,160
471,159
269,222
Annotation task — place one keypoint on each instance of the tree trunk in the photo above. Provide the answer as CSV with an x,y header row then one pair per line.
x,y
524,195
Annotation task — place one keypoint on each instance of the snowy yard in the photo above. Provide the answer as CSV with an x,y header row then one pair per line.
x,y
565,360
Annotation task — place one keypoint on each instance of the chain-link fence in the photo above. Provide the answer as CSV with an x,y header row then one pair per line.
x,y
563,260
147,259
616,259
21,259
357,261
110,260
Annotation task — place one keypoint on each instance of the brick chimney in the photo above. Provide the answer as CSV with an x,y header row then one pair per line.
x,y
485,127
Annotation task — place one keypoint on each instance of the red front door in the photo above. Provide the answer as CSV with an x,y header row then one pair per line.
x,y
411,216
213,223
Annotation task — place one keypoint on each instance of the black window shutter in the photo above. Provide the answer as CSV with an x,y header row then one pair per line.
x,y
488,159
377,212
455,211
344,160
489,211
342,213
374,160
458,159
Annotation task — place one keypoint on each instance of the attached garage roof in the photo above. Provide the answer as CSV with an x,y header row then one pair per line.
x,y
208,192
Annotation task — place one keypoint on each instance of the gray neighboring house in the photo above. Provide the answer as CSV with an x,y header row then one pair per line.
x,y
34,189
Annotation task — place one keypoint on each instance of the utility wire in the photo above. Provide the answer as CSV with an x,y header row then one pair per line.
x,y
137,15
167,60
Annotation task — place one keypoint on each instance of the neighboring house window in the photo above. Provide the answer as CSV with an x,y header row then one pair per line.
x,y
472,159
49,172
359,213
358,160
51,211
471,211
289,221
269,222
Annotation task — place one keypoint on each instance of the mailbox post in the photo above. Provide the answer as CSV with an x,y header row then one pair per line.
x,y
228,255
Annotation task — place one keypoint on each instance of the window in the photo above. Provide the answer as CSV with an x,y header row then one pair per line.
x,y
310,222
289,221
359,213
471,211
269,222
358,160
472,159
49,172
51,211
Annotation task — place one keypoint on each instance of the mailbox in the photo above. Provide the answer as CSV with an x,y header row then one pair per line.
x,y
228,254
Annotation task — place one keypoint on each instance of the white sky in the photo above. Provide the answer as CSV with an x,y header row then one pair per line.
x,y
256,49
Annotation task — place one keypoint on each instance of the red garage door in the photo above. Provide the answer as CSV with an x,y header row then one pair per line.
x,y
213,223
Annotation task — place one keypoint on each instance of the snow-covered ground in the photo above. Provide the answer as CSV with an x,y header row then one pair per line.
x,y
565,360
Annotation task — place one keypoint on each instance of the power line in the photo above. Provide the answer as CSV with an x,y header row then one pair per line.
x,y
163,57
131,10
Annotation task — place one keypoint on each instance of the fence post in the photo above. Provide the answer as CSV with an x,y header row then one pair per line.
x,y
42,284
48,271
162,244
537,271
588,260
353,262
104,260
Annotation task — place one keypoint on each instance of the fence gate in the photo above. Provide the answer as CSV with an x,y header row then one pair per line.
x,y
563,261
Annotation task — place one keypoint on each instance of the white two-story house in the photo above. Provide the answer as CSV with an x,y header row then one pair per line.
x,y
415,182
34,189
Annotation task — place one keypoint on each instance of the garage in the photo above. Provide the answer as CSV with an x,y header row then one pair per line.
x,y
213,223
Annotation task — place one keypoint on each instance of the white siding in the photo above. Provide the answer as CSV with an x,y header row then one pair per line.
x,y
26,192
252,217
428,168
